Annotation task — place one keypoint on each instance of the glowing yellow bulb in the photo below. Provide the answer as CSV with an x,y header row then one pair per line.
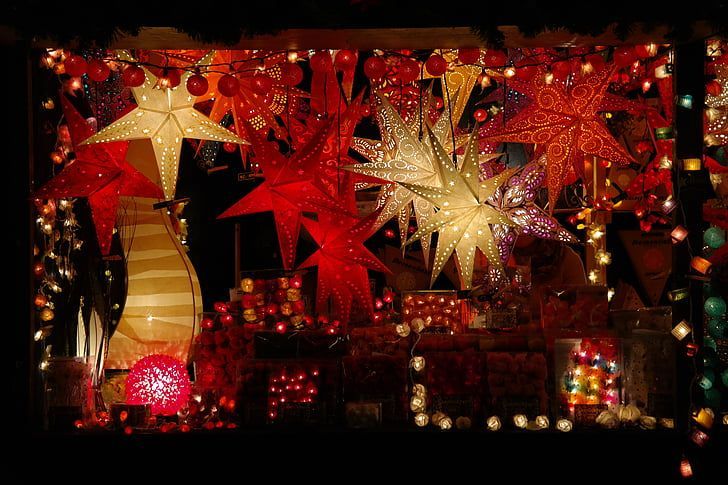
x,y
493,423
520,421
603,257
421,420
417,363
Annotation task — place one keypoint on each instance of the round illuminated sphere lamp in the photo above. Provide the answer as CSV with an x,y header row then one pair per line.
x,y
714,237
161,381
715,306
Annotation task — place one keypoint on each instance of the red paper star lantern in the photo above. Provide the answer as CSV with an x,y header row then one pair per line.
x,y
566,121
100,173
288,190
342,262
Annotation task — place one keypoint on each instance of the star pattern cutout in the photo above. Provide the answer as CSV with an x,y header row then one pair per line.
x,y
100,173
165,117
720,101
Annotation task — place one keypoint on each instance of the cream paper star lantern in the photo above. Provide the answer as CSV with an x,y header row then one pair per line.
x,y
401,157
464,217
459,79
164,116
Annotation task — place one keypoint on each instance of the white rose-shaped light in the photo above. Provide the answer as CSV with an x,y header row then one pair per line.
x,y
564,425
648,422
402,329
608,420
421,420
417,324
520,420
445,423
542,422
419,390
417,404
418,363
493,423
629,414
436,417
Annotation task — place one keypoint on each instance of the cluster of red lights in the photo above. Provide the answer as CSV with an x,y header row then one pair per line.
x,y
297,386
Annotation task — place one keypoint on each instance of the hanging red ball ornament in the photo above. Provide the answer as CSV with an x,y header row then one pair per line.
x,y
495,58
98,70
436,65
262,84
375,68
291,74
133,76
320,61
229,147
409,70
159,380
228,85
197,84
345,59
469,55
75,66
713,88
480,115
624,56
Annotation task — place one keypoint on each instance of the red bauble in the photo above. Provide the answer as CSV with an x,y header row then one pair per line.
x,y
436,65
172,76
159,380
375,68
561,69
713,88
229,147
624,56
98,70
75,66
320,61
228,85
220,307
480,115
409,70
495,58
291,74
197,84
345,59
133,76
262,84
469,55
207,323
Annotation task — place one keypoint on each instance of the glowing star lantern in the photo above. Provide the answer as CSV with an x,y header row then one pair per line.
x,y
165,117
401,157
100,173
342,262
566,121
159,380
459,80
464,216
287,190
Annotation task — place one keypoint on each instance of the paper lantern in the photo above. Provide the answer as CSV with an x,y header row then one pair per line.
x,y
715,306
692,164
679,294
699,437
704,417
681,330
159,380
707,379
701,265
714,237
417,404
685,469
164,301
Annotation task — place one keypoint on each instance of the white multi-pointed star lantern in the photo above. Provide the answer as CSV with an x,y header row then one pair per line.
x,y
164,116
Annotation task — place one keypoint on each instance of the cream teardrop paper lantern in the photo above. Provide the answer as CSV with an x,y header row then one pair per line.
x,y
164,301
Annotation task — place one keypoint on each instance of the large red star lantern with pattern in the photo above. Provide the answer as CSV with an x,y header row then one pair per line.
x,y
342,262
288,190
100,173
566,122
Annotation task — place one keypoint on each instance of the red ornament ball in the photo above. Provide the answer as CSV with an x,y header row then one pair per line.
x,y
262,84
296,281
228,85
436,65
291,74
409,70
197,84
345,59
207,323
321,61
375,68
75,66
281,327
98,70
172,77
469,55
480,115
624,56
133,76
561,69
495,58
227,319
713,88
159,380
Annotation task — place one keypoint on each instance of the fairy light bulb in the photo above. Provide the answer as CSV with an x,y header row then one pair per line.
x,y
421,420
564,425
292,56
603,257
548,78
419,390
445,423
610,294
681,330
509,72
542,422
594,276
587,67
417,404
402,329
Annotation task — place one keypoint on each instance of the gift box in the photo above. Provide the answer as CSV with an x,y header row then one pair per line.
x,y
517,382
574,307
434,308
